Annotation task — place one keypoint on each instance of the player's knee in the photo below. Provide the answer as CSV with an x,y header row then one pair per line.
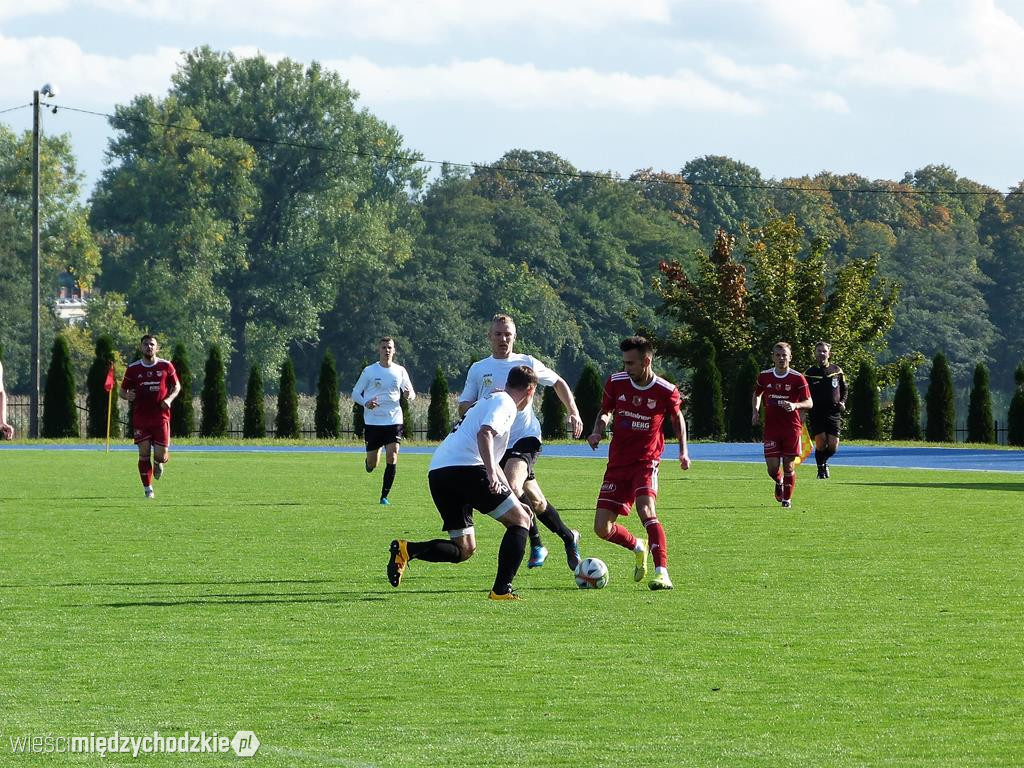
x,y
602,529
466,550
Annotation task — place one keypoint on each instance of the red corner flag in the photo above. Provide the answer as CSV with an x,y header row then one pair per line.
x,y
109,383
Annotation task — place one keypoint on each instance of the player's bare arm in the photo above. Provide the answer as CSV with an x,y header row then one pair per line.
x,y
464,406
485,442
600,425
679,427
803,405
756,405
172,394
565,395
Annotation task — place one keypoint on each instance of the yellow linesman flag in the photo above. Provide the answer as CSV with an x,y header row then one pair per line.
x,y
806,445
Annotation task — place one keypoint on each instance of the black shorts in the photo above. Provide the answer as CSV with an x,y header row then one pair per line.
x,y
527,449
457,491
376,436
829,424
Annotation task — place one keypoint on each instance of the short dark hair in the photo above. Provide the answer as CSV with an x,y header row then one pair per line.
x,y
639,343
384,339
521,377
147,336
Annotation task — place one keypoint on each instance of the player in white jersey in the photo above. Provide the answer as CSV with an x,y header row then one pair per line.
x,y
379,390
488,375
465,474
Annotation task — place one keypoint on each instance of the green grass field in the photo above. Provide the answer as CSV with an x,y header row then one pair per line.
x,y
880,622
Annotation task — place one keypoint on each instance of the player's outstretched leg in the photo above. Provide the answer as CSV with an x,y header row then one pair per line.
x,y
609,530
389,480
538,552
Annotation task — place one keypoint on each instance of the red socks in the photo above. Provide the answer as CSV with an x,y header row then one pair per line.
x,y
622,537
146,472
656,542
788,482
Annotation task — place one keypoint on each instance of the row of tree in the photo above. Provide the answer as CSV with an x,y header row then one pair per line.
x,y
279,220
706,411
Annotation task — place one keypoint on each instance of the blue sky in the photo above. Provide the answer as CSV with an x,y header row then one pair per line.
x,y
793,87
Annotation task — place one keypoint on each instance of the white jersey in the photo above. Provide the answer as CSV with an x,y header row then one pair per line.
x,y
387,385
460,449
490,374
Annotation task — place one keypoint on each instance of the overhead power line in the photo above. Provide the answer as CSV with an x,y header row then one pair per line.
x,y
11,109
897,189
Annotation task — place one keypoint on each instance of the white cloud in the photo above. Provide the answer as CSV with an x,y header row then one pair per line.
x,y
83,78
12,9
524,86
411,21
767,77
830,101
827,29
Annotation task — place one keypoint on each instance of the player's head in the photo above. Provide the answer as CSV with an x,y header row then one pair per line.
x,y
502,335
386,349
637,357
521,385
822,350
149,345
782,353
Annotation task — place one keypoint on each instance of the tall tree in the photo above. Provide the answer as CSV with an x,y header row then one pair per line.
x,y
740,427
939,405
865,412
439,415
588,393
287,423
980,427
214,422
327,419
789,294
726,193
60,413
552,416
254,421
98,399
67,247
183,419
906,406
277,182
707,415
1015,416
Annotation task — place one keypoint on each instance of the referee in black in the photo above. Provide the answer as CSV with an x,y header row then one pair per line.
x,y
828,390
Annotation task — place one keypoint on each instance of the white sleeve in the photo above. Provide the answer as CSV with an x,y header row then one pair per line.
x,y
471,392
545,375
501,416
410,393
357,391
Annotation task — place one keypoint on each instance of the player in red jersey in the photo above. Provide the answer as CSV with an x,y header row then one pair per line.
x,y
637,401
785,393
151,384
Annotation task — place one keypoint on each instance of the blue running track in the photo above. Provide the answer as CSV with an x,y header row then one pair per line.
x,y
977,459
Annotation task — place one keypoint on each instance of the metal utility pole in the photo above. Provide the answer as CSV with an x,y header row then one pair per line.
x,y
33,419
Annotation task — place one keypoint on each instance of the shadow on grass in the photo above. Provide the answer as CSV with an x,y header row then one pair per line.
x,y
164,583
1018,487
290,598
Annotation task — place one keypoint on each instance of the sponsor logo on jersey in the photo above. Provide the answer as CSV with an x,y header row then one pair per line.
x,y
622,398
788,387
651,404
637,400
376,383
488,380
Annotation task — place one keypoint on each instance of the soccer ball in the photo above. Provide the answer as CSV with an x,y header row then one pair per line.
x,y
591,573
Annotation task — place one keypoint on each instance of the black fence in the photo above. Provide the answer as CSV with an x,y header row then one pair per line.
x,y
18,409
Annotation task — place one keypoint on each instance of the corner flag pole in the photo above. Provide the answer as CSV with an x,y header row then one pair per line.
x,y
109,386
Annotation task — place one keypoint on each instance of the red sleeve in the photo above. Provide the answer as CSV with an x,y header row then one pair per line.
x,y
171,372
124,380
758,388
805,387
675,401
607,399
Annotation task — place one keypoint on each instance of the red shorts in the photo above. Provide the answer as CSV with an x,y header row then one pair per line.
x,y
779,444
157,431
623,484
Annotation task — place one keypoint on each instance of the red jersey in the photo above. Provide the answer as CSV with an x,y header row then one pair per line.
x,y
151,384
638,415
791,387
